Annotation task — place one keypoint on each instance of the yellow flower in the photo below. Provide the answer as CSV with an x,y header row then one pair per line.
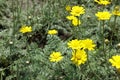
x,y
79,57
25,29
75,20
115,61
77,11
105,15
75,44
88,44
116,11
52,32
68,8
55,57
70,17
103,2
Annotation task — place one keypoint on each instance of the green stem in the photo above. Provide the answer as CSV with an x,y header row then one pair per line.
x,y
75,73
1,75
80,29
100,27
103,37
80,71
17,71
113,29
17,19
27,11
115,18
103,43
74,32
88,62
62,69
93,71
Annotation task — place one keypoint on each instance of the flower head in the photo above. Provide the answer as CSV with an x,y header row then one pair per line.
x,y
116,11
118,45
115,61
105,15
77,11
79,57
68,8
70,17
75,20
106,41
55,57
52,32
75,44
25,29
88,44
103,2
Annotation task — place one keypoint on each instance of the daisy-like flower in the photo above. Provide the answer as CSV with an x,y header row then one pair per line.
x,y
103,2
105,15
71,17
75,20
55,57
77,11
25,29
52,32
68,8
79,57
75,44
116,11
115,61
88,44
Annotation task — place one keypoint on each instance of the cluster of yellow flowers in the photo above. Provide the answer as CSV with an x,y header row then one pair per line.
x,y
79,47
81,44
75,20
25,29
79,55
105,15
75,12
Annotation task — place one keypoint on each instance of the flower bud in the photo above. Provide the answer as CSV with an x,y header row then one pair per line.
x,y
10,42
106,41
29,17
27,62
118,45
68,8
88,16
